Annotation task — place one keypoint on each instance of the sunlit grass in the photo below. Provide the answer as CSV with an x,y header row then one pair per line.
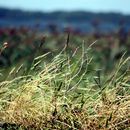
x,y
66,93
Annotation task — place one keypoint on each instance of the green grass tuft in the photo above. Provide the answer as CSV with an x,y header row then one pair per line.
x,y
68,92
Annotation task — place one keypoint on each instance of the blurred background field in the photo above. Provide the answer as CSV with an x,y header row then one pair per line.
x,y
25,30
22,26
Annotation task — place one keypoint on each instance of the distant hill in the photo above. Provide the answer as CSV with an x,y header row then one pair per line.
x,y
84,21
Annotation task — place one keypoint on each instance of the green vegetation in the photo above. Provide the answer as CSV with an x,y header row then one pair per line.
x,y
71,91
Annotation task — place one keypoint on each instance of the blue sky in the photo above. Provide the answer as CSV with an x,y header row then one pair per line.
x,y
122,6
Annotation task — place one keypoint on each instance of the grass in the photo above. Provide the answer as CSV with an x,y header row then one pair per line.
x,y
67,92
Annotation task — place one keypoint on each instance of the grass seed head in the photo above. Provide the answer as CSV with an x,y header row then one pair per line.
x,y
5,45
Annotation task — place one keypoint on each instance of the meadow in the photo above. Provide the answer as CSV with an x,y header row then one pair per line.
x,y
64,81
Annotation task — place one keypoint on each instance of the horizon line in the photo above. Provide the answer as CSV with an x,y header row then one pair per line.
x,y
63,10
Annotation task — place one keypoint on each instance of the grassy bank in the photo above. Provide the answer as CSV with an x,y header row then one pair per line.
x,y
66,92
